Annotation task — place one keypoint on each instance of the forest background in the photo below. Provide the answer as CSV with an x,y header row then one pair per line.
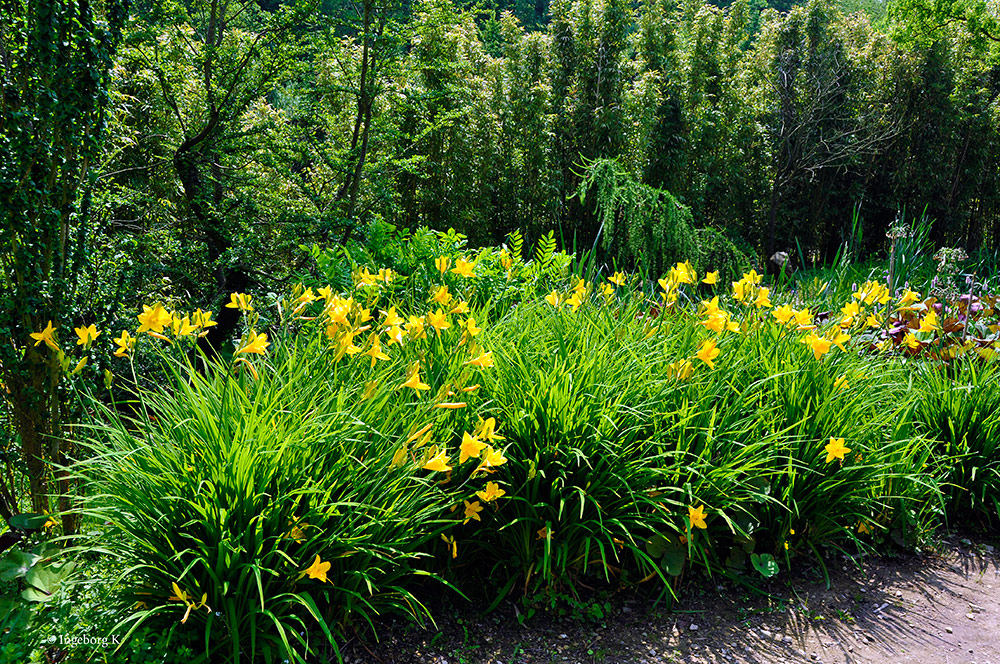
x,y
185,149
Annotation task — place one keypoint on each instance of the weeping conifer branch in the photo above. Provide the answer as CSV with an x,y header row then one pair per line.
x,y
639,224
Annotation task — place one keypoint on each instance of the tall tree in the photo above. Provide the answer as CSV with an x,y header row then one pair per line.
x,y
55,57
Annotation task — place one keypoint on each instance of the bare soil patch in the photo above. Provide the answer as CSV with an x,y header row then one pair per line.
x,y
935,607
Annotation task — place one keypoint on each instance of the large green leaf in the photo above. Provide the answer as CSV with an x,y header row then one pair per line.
x,y
44,580
16,564
765,564
669,550
28,521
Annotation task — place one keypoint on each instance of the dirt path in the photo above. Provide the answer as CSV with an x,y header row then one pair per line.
x,y
934,608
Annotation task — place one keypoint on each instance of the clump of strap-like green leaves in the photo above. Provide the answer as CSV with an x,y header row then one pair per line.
x,y
628,458
226,488
610,447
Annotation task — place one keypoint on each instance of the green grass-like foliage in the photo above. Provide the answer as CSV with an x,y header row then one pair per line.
x,y
398,431
960,412
229,487
609,449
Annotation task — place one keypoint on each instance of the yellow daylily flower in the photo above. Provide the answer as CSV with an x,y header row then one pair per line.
x,y
364,278
849,312
414,381
442,263
836,449
391,318
711,306
240,301
783,314
203,320
485,430
462,307
471,447
908,297
46,336
711,278
742,291
763,298
307,296
153,319
618,279
441,296
575,300
463,268
929,323
717,321
470,327
318,570
553,299
256,343
707,352
298,531
86,335
696,515
752,278
838,338
395,334
438,463
484,361
820,345
338,309
685,273
872,291
126,343
182,327
375,350
493,458
491,493
804,319
415,328
438,320
472,511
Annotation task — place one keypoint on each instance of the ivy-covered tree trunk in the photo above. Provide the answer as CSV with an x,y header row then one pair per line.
x,y
55,57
